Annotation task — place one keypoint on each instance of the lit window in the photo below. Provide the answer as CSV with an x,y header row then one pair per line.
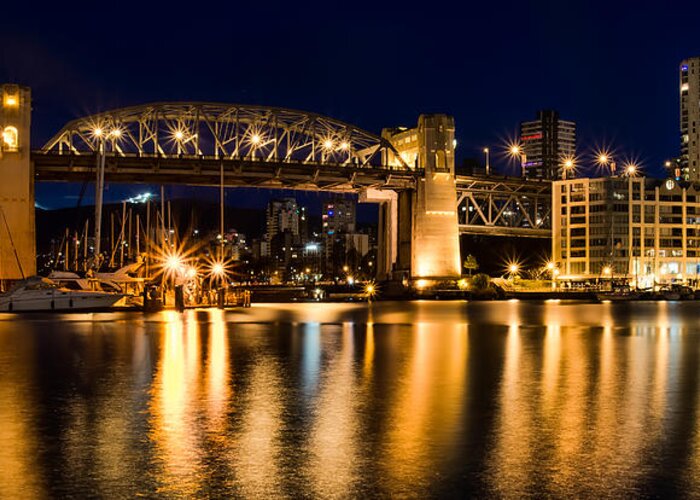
x,y
9,139
684,87
10,100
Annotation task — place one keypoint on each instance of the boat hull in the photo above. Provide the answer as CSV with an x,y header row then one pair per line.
x,y
58,301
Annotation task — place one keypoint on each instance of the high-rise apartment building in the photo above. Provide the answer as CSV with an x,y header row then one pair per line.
x,y
338,220
640,229
282,216
282,235
690,118
545,142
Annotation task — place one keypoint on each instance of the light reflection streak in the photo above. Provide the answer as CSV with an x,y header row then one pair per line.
x,y
173,404
218,375
334,439
512,454
256,453
311,357
428,413
21,477
368,357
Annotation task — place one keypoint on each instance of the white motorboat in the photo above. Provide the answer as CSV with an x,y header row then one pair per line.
x,y
42,294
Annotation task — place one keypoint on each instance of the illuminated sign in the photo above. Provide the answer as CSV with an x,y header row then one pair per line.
x,y
531,137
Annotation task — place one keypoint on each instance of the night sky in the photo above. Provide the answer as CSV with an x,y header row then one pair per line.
x,y
610,66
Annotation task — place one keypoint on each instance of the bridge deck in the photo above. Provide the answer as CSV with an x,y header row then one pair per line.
x,y
206,171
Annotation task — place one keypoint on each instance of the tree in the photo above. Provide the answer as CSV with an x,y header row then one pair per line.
x,y
470,264
481,282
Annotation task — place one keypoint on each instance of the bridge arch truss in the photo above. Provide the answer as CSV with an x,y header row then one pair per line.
x,y
225,131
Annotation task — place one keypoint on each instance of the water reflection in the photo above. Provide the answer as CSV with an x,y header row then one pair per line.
x,y
397,399
18,405
175,431
426,418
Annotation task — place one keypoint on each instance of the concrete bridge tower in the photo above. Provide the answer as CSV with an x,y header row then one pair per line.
x,y
418,229
17,233
435,226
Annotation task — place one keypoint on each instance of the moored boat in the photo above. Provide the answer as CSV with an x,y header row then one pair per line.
x,y
42,294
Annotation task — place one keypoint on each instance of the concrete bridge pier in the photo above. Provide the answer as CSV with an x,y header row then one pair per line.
x,y
17,233
424,233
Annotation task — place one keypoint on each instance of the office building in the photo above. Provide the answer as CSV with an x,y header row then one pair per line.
x,y
644,230
690,119
545,142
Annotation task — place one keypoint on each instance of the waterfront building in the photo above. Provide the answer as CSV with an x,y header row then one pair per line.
x,y
545,141
690,118
644,230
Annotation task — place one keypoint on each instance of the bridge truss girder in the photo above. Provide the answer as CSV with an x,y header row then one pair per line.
x,y
225,131
504,207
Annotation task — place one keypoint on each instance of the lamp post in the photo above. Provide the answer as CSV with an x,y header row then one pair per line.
x,y
101,135
99,190
568,165
516,151
604,159
488,166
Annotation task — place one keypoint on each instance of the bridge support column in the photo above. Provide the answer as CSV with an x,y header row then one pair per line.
x,y
17,233
435,246
387,230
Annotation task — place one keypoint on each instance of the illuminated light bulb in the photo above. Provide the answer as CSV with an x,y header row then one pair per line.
x,y
10,101
513,268
179,134
255,139
603,159
515,150
328,144
217,269
344,146
116,132
550,265
97,132
173,262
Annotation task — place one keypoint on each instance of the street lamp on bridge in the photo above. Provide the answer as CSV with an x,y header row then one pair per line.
x,y
516,151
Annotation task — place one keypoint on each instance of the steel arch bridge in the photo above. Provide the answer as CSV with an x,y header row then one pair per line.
x,y
192,142
213,130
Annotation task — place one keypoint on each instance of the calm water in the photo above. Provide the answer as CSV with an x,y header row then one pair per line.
x,y
422,399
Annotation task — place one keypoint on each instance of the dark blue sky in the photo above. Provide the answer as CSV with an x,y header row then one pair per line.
x,y
610,66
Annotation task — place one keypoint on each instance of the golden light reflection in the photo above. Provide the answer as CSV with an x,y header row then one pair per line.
x,y
427,413
368,357
173,407
568,420
334,438
513,452
218,373
21,477
257,453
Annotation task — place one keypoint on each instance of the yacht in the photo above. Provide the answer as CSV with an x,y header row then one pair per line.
x,y
43,294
